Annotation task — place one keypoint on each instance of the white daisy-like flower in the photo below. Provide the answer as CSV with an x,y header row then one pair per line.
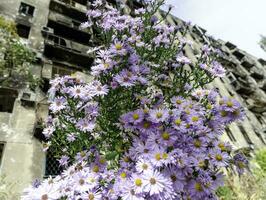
x,y
58,104
143,166
137,183
46,191
77,91
154,182
91,195
128,193
48,131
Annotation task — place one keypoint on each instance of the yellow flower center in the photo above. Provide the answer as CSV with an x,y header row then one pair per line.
x,y
158,156
165,136
123,175
102,160
138,182
178,101
118,46
165,156
223,113
146,125
126,159
178,122
152,181
91,196
144,166
197,143
106,65
201,164
187,125
229,104
159,115
135,116
218,157
198,187
95,169
209,106
195,118
81,181
44,197
222,146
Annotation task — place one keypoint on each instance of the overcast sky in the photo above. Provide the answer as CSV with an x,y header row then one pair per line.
x,y
238,21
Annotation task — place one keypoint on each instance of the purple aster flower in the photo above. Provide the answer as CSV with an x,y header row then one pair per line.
x,y
136,116
219,158
36,183
77,91
48,131
155,183
59,103
143,166
177,101
217,69
154,19
196,190
63,161
71,137
137,183
118,48
125,78
177,178
85,125
158,115
241,163
129,193
206,49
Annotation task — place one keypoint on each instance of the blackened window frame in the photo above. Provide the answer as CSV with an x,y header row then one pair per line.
x,y
2,150
29,9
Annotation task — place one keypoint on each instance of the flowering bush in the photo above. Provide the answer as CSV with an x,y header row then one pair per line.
x,y
145,127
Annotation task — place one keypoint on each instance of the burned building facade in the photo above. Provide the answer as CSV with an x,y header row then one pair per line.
x,y
51,29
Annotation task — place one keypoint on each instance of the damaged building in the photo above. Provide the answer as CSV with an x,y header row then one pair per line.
x,y
51,29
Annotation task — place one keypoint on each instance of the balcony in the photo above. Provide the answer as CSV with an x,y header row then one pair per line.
x,y
67,27
69,8
60,49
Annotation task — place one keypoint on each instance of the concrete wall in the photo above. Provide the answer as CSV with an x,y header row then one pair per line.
x,y
10,8
23,158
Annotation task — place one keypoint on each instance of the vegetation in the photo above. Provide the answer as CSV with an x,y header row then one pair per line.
x,y
15,58
7,191
250,186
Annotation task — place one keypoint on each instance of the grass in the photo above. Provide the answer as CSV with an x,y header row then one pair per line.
x,y
251,185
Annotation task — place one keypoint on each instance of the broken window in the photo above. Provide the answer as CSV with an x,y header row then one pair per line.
x,y
52,167
62,71
2,145
232,79
23,31
26,9
7,99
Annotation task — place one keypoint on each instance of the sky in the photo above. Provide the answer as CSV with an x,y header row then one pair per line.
x,y
238,21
